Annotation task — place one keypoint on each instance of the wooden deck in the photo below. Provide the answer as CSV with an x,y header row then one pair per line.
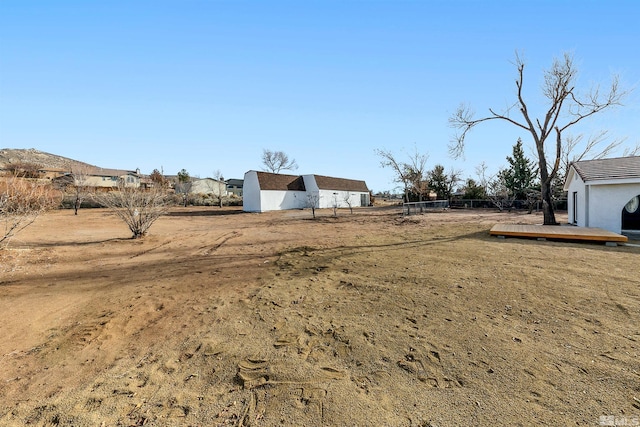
x,y
557,232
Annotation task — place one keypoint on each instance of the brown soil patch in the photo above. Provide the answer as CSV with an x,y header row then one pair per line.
x,y
225,318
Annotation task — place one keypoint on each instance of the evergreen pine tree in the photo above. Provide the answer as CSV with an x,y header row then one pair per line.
x,y
520,177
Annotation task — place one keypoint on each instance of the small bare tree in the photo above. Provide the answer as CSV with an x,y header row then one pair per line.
x,y
566,108
313,202
335,205
348,201
80,185
137,207
498,192
221,189
21,202
276,161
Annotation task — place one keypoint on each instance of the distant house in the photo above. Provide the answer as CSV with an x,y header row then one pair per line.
x,y
264,191
605,193
234,186
100,178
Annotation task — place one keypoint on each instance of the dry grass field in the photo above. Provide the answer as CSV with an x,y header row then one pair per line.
x,y
220,318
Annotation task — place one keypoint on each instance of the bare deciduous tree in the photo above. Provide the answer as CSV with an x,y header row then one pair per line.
x,y
80,185
498,192
21,202
137,207
411,174
276,161
494,187
335,203
313,202
567,107
221,185
348,201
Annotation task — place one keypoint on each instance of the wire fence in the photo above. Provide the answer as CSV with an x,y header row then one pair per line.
x,y
422,207
412,208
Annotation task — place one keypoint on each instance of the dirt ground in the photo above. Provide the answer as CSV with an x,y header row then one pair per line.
x,y
220,317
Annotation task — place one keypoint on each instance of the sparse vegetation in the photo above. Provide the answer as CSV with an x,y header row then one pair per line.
x,y
22,200
24,170
137,207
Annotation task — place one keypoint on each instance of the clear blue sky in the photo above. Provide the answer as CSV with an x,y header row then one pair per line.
x,y
207,85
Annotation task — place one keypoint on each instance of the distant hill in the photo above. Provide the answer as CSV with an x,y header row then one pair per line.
x,y
44,160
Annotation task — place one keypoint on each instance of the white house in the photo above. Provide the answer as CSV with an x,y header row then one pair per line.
x,y
605,193
264,191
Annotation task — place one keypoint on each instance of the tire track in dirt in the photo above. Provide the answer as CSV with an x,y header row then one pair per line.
x,y
207,250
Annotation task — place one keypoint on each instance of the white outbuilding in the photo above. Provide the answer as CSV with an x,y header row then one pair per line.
x,y
605,193
265,191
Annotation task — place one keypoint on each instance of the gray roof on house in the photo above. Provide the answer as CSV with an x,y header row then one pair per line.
x,y
601,169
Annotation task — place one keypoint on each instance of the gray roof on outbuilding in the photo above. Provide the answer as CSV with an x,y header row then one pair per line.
x,y
615,168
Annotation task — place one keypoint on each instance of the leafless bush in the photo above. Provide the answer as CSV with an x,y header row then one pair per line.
x,y
21,202
138,208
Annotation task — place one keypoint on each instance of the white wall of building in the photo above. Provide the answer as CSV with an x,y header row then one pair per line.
x,y
600,205
256,200
341,199
606,204
576,208
251,193
274,200
331,198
